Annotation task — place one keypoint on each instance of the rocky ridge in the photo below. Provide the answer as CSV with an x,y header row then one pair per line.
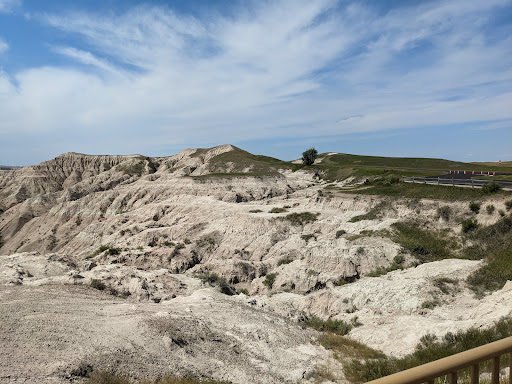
x,y
152,229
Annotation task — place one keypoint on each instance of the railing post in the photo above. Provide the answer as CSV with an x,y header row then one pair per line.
x,y
438,179
453,378
453,183
495,379
472,186
510,368
475,374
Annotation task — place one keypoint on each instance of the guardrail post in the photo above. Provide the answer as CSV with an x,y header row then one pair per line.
x,y
413,179
453,378
438,179
475,374
495,379
472,186
453,183
510,368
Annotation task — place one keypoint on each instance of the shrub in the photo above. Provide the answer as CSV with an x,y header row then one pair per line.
x,y
308,237
429,349
338,327
269,280
490,209
491,187
444,212
309,156
213,279
501,212
286,260
340,233
430,304
113,251
475,207
278,210
508,205
425,245
301,218
98,284
255,211
469,225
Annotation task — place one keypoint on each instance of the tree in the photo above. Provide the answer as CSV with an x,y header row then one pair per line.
x,y
309,156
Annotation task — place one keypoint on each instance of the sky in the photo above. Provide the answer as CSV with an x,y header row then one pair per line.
x,y
400,78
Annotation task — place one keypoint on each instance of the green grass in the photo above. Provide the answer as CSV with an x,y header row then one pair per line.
x,y
425,191
424,245
337,327
243,163
373,214
428,350
493,242
405,162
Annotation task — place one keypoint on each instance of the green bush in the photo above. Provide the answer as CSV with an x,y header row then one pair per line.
x,y
444,212
278,210
269,280
475,207
340,233
508,205
491,187
338,327
301,218
215,280
428,350
308,237
286,260
490,209
469,225
501,212
98,284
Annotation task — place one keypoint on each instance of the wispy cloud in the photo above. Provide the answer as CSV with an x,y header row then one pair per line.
x,y
7,6
270,69
3,46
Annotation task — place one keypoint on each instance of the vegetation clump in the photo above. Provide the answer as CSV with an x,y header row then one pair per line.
x,y
424,245
338,327
340,233
474,207
491,187
278,210
270,278
301,218
215,280
429,349
469,225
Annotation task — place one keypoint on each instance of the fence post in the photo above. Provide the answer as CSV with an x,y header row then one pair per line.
x,y
453,183
472,186
413,179
438,179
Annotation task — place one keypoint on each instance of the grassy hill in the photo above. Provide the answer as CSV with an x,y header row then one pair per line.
x,y
347,160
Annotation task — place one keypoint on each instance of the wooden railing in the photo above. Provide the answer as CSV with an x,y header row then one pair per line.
x,y
449,366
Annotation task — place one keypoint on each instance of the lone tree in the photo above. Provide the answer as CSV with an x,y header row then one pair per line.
x,y
309,156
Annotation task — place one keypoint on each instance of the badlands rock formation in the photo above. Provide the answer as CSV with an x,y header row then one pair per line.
x,y
151,232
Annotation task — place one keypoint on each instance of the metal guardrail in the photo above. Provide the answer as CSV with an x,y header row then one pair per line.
x,y
449,366
456,182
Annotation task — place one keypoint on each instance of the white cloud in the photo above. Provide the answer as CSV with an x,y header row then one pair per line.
x,y
278,69
3,46
8,6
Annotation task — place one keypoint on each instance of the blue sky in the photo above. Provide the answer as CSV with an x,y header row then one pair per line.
x,y
387,78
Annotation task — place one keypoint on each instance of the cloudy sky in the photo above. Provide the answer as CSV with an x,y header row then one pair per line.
x,y
426,78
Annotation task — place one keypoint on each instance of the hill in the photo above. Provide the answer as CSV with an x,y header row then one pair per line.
x,y
217,263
